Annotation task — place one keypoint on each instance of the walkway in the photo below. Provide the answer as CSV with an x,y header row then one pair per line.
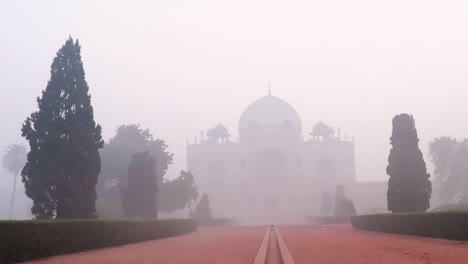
x,y
286,245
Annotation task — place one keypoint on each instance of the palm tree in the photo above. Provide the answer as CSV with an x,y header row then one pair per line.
x,y
13,161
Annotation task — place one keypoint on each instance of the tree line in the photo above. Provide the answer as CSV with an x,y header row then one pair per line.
x,y
69,165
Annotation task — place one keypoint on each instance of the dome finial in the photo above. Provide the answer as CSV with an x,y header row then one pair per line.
x,y
269,89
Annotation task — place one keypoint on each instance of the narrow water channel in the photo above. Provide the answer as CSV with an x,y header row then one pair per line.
x,y
273,252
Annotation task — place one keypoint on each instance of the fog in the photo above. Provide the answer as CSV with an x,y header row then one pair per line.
x,y
179,67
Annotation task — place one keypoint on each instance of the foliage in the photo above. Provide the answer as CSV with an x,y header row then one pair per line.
x,y
63,163
28,240
139,197
445,225
451,207
211,222
15,158
117,153
116,156
13,161
178,193
343,206
409,188
328,220
203,210
450,159
322,130
217,133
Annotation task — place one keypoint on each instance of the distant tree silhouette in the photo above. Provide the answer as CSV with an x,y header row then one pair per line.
x,y
139,197
203,210
343,206
218,133
63,164
450,159
13,161
178,193
117,153
116,157
409,188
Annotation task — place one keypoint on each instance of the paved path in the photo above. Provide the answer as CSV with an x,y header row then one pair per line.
x,y
207,245
306,244
345,245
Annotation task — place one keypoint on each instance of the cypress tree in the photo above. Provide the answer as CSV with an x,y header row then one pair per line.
x,y
63,164
409,188
139,197
203,210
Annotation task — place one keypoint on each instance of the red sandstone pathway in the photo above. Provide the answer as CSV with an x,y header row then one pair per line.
x,y
307,245
345,245
207,245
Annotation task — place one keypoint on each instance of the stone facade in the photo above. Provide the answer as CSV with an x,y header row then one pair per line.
x,y
271,174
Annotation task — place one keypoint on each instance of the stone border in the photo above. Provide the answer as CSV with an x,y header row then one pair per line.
x,y
262,251
285,254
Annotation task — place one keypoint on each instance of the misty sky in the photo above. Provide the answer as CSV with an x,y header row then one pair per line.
x,y
179,67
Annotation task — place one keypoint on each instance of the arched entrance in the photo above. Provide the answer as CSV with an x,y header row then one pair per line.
x,y
216,172
270,165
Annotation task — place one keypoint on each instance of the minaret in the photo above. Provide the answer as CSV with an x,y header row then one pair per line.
x,y
269,89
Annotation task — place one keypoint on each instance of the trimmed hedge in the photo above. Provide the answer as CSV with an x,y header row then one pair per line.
x,y
329,220
216,222
446,225
28,240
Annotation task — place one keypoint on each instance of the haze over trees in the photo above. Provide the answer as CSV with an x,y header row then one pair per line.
x,y
178,193
343,205
116,158
139,197
409,188
13,161
450,159
203,210
63,164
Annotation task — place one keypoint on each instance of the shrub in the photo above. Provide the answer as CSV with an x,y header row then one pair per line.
x,y
203,210
217,222
344,207
446,225
27,240
328,220
451,207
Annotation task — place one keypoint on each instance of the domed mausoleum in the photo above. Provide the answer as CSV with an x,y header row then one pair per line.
x,y
269,111
271,174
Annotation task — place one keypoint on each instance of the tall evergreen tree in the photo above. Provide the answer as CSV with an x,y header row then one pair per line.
x,y
139,198
203,210
116,157
409,188
63,164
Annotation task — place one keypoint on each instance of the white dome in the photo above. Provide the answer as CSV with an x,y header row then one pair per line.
x,y
269,111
